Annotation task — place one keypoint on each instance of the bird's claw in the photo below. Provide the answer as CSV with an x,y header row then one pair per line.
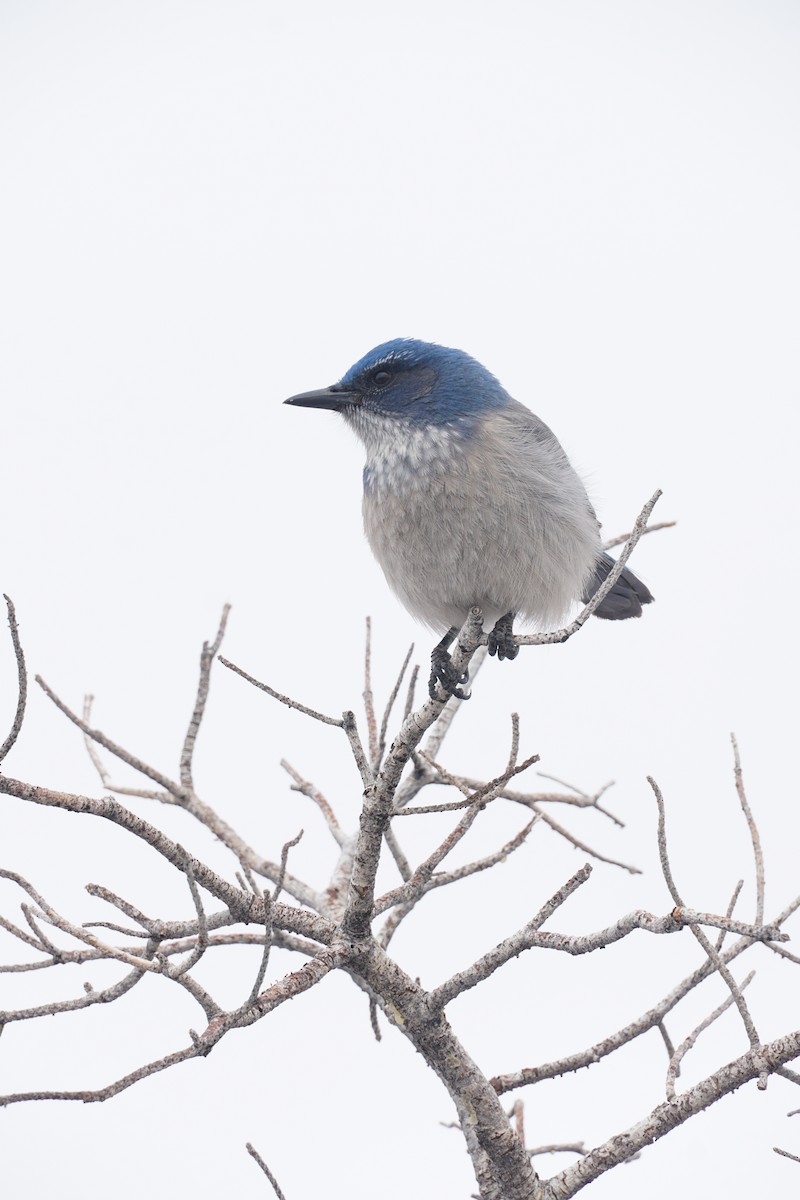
x,y
501,640
445,675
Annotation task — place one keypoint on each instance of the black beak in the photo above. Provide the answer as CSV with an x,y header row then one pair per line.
x,y
324,398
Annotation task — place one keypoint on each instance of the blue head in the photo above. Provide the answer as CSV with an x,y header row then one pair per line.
x,y
417,382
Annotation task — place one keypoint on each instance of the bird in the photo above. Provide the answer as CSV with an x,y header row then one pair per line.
x,y
469,500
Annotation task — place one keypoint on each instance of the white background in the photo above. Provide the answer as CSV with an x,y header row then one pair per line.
x,y
207,207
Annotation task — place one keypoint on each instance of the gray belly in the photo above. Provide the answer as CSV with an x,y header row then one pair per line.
x,y
442,553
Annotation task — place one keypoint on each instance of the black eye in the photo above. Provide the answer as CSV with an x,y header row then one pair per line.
x,y
381,378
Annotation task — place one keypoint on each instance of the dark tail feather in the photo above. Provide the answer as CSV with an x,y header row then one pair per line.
x,y
625,598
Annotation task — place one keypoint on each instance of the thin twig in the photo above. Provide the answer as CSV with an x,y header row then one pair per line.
x,y
513,753
729,913
495,786
517,1115
508,949
421,810
412,890
44,941
786,1154
143,768
16,932
268,903
169,949
755,838
580,799
444,878
362,762
255,1155
368,697
22,680
678,1055
251,880
623,537
187,799
287,846
464,784
105,778
628,1033
89,999
292,985
389,706
49,914
559,1148
581,845
373,1018
787,954
314,794
714,957
402,863
264,963
662,1029
412,687
264,687
202,926
207,655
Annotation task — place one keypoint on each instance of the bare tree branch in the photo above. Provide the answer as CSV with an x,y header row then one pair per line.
x,y
264,687
415,887
379,798
647,1021
294,920
672,1113
579,798
257,1157
412,684
288,988
362,762
623,537
313,793
387,712
508,949
191,803
368,698
786,1154
678,1055
719,964
559,1148
207,655
330,926
517,1115
201,944
531,800
443,878
163,797
581,845
731,906
22,680
180,794
758,854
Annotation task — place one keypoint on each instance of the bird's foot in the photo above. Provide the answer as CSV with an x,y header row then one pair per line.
x,y
444,674
501,640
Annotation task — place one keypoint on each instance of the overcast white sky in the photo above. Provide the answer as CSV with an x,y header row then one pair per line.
x,y
207,207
